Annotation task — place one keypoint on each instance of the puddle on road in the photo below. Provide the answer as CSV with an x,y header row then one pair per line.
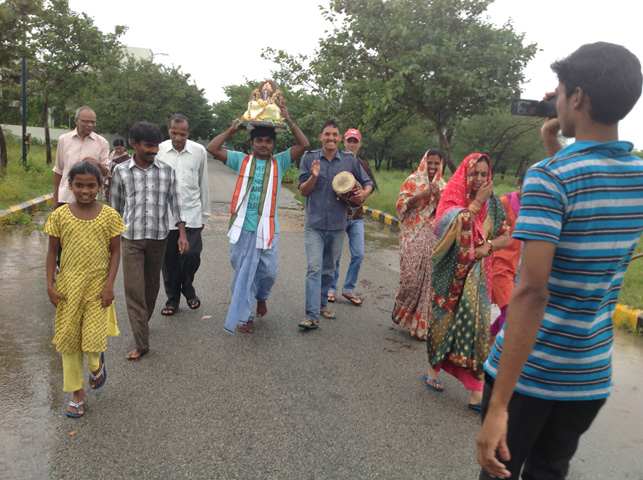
x,y
31,397
31,372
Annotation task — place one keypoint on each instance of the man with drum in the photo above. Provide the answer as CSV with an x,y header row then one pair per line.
x,y
254,228
354,229
326,216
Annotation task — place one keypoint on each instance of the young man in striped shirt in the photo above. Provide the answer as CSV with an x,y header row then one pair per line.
x,y
581,217
144,191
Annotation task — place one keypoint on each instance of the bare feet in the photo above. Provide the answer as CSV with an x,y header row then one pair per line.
x,y
262,309
135,354
245,327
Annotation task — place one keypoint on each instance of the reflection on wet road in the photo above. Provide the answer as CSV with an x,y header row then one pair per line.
x,y
32,401
31,370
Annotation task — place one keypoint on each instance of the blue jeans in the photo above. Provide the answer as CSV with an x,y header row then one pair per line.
x,y
322,249
355,231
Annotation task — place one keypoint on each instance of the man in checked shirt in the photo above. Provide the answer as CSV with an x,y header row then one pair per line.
x,y
142,191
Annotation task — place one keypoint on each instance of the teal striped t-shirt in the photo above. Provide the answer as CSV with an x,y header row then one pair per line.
x,y
588,199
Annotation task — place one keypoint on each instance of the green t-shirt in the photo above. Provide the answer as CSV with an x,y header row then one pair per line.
x,y
235,159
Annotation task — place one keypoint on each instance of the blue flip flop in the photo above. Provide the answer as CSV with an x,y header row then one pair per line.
x,y
475,407
438,382
102,371
77,407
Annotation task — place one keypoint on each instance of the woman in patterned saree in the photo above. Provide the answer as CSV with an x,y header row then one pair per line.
x,y
416,206
470,224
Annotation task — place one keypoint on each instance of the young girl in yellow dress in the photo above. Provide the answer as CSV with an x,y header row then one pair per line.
x,y
89,234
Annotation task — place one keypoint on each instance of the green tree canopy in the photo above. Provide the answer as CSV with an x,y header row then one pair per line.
x,y
513,143
70,51
136,90
16,20
387,61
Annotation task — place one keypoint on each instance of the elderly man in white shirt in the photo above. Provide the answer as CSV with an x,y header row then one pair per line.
x,y
190,161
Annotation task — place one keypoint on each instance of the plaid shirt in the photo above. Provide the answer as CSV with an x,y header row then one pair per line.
x,y
142,197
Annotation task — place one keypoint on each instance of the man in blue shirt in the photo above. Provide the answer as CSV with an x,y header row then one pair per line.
x,y
254,227
581,217
325,216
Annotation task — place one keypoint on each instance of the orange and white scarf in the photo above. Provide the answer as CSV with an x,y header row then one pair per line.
x,y
267,204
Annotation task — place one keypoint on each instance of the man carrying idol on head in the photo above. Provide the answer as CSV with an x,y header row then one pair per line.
x,y
254,227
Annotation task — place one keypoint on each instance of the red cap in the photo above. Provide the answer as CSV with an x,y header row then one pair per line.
x,y
353,133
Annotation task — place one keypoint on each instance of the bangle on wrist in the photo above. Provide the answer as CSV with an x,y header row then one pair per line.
x,y
231,129
473,209
490,245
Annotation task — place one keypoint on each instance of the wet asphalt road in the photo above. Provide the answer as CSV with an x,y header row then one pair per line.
x,y
345,401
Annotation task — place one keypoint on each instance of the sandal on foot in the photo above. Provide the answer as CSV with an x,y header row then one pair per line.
x,y
77,407
352,298
476,407
332,297
438,382
309,324
194,303
102,372
327,314
169,310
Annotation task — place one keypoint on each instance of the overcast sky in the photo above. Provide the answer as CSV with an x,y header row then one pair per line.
x,y
220,43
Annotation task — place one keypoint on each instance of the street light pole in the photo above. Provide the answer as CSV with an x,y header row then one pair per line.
x,y
24,110
152,55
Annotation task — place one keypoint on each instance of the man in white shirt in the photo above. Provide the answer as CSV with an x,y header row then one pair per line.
x,y
80,144
190,162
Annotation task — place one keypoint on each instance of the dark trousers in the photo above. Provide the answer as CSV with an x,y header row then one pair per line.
x,y
179,270
542,434
141,260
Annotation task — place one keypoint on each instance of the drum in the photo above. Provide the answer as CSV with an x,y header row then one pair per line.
x,y
345,186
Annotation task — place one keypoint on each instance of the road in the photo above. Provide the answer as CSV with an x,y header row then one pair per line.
x,y
345,401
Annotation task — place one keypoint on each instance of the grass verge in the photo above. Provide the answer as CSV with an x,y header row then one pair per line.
x,y
19,184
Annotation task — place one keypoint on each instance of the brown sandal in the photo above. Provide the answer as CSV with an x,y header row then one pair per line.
x,y
352,298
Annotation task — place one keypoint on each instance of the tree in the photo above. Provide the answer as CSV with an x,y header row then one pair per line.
x,y
70,51
392,59
298,104
16,17
136,90
513,143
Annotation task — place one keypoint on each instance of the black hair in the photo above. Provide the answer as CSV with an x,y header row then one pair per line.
x,y
145,132
118,142
609,74
330,123
178,118
81,168
434,151
484,158
263,132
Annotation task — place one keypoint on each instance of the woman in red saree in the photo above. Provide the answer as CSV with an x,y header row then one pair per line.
x,y
416,204
470,225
